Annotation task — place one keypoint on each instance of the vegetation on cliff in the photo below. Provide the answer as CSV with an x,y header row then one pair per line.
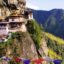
x,y
36,32
19,40
56,46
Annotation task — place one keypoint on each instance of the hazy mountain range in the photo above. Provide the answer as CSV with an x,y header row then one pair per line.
x,y
52,21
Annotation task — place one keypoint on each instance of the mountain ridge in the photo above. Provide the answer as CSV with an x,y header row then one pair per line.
x,y
52,21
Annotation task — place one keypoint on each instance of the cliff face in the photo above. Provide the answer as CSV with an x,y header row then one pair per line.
x,y
38,37
30,44
22,44
27,47
7,7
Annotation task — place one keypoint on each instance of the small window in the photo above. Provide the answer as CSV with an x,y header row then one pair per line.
x,y
10,20
0,12
16,20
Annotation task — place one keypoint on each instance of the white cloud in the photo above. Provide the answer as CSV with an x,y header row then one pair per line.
x,y
32,6
45,4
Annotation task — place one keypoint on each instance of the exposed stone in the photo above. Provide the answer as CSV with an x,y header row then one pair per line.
x,y
25,47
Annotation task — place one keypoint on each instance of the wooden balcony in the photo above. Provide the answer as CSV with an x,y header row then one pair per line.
x,y
22,28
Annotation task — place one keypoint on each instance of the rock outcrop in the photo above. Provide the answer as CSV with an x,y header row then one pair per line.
x,y
23,46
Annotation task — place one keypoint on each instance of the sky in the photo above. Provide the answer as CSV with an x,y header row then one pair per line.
x,y
45,4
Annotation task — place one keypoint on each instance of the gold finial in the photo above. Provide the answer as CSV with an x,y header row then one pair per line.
x,y
15,13
22,1
2,17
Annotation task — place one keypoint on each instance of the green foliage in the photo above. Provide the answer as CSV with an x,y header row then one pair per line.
x,y
15,35
4,45
18,35
62,61
56,44
11,62
54,38
35,31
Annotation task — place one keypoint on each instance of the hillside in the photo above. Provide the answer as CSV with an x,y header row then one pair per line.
x,y
23,44
52,21
32,44
54,38
55,45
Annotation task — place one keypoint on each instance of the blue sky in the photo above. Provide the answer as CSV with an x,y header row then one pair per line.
x,y
45,4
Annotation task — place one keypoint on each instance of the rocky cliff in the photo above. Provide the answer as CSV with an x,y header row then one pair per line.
x,y
29,44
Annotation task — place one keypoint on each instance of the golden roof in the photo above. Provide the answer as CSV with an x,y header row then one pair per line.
x,y
14,13
22,1
2,17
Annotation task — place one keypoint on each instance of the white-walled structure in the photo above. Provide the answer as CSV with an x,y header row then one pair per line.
x,y
11,24
14,20
30,15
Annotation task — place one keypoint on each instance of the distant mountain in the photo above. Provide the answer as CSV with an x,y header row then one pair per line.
x,y
52,21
